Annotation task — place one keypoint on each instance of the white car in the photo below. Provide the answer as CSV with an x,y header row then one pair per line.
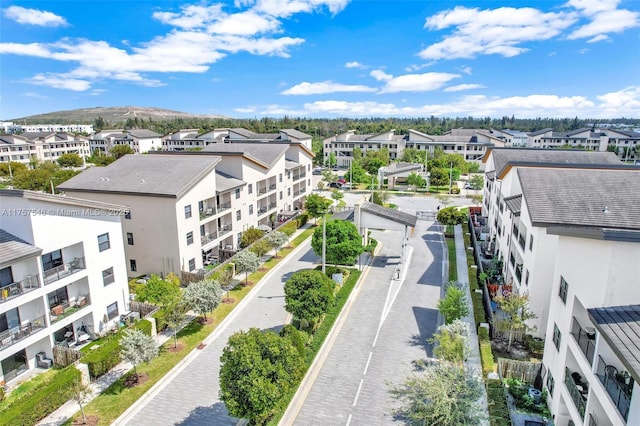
x,y
346,186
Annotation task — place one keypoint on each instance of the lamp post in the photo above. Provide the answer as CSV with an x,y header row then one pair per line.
x,y
324,242
450,177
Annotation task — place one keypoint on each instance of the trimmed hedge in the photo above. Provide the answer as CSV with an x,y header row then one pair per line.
x,y
42,401
498,409
302,219
289,228
144,326
486,356
105,357
478,308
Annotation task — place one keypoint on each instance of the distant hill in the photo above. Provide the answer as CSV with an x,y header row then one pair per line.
x,y
113,115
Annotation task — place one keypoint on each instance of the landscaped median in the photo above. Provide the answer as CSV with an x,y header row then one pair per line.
x,y
116,399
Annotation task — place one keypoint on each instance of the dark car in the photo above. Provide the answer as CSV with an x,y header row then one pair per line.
x,y
337,185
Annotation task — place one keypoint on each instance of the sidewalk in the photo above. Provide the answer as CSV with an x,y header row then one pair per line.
x,y
473,362
70,408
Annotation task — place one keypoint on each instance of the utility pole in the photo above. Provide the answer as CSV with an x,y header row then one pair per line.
x,y
324,242
450,177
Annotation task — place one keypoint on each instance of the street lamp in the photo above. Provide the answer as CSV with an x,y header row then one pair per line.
x,y
324,242
450,177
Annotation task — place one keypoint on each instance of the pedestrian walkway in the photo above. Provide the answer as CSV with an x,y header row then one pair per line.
x,y
473,361
70,408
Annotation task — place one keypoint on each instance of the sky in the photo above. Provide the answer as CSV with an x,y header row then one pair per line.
x,y
323,58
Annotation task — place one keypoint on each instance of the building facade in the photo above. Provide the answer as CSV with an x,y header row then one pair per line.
x,y
41,146
57,287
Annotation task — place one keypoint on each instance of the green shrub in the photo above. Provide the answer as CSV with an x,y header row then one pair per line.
x,y
302,219
498,409
486,356
483,334
144,325
454,304
455,190
478,308
535,346
42,401
289,228
297,338
161,322
105,357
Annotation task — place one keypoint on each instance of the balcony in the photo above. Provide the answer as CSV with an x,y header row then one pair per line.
x,y
64,270
578,390
618,385
207,212
207,238
19,288
522,240
222,207
68,308
272,187
14,335
518,270
586,340
224,230
262,190
272,206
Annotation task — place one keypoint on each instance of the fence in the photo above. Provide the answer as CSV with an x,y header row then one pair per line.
x,y
486,300
145,309
524,371
63,356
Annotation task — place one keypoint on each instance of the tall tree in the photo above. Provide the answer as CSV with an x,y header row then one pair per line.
x,y
137,348
308,294
175,315
203,296
159,291
416,181
119,151
257,369
516,308
247,262
70,160
343,242
277,239
250,236
317,205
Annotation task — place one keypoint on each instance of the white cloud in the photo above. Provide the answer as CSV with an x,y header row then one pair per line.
x,y
286,8
583,51
623,102
412,82
466,70
306,88
35,95
61,82
599,37
41,18
500,31
604,16
418,67
354,64
461,87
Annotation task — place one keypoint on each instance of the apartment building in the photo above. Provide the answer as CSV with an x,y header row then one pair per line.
x,y
527,250
624,142
13,128
62,275
190,138
42,146
512,138
189,208
470,143
139,140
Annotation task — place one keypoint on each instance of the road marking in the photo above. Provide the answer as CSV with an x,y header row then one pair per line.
x,y
366,367
355,400
349,419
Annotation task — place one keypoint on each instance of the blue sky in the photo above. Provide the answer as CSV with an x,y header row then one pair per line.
x,y
323,58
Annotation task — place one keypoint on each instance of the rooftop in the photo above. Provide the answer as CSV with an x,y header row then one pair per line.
x,y
13,249
61,199
265,153
392,214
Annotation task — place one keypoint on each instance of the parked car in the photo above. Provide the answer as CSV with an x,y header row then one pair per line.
x,y
337,185
316,171
342,181
467,185
346,186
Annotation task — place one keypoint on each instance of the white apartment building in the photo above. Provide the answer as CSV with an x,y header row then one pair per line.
x,y
140,140
512,138
43,146
470,143
11,127
187,139
526,249
190,207
62,275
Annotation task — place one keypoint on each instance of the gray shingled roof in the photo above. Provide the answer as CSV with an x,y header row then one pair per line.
x,y
541,131
159,175
225,182
143,133
293,133
503,157
267,153
514,204
61,199
620,327
602,198
13,249
392,214
290,164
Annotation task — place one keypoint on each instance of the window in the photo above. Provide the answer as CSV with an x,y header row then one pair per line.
x,y
238,215
557,336
564,289
58,297
187,211
250,188
112,311
189,238
281,195
6,277
288,192
51,260
130,238
192,264
237,193
531,242
107,276
127,215
526,277
103,242
132,265
280,177
250,208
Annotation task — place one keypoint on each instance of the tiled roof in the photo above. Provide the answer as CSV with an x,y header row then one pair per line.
x,y
13,249
225,182
143,133
267,153
514,204
149,174
61,199
392,214
620,327
582,197
293,133
541,131
290,164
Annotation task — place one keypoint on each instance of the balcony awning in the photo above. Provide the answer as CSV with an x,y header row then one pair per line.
x,y
514,204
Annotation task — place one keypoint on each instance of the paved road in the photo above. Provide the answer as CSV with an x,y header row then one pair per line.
x,y
385,332
190,397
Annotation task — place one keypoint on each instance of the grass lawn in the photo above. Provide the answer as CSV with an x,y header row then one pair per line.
x,y
114,401
451,247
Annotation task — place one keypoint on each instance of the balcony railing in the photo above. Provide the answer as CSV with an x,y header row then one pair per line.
x,y
618,386
224,230
14,335
70,307
223,207
296,193
578,395
522,240
272,206
207,238
272,187
207,212
262,190
585,340
59,272
19,288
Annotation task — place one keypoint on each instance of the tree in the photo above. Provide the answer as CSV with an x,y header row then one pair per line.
x,y
225,277
120,151
451,216
250,236
81,393
454,304
380,197
174,316
316,206
247,262
443,199
446,395
476,182
438,176
260,248
277,239
412,155
337,195
136,348
332,160
159,291
203,296
416,181
70,160
452,342
257,369
15,168
343,242
516,308
308,294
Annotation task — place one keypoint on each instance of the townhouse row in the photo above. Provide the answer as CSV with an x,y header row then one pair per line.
x,y
566,226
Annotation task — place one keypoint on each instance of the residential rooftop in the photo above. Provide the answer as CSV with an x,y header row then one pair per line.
x,y
14,249
265,153
61,199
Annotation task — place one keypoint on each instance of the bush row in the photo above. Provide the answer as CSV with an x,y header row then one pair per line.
x,y
42,401
498,409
